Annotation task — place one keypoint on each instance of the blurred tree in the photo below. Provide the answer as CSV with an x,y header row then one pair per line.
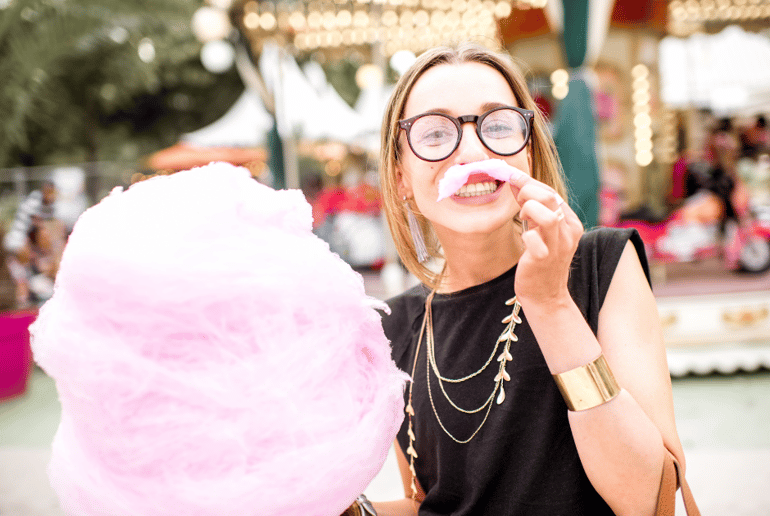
x,y
93,80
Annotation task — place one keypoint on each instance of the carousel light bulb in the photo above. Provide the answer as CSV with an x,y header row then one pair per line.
x,y
360,19
421,18
297,20
503,10
210,24
407,18
640,71
251,21
642,120
267,21
389,18
644,145
560,91
344,18
643,158
329,20
559,77
643,133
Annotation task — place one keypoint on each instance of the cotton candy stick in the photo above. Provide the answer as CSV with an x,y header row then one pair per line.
x,y
458,175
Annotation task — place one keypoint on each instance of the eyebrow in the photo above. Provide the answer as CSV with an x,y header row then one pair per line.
x,y
484,108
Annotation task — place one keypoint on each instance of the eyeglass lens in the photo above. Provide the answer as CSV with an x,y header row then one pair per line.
x,y
434,137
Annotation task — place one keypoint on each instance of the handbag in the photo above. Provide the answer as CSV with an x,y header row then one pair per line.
x,y
671,480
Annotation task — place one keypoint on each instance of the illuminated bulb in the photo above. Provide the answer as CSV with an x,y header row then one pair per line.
x,y
459,5
344,18
560,91
210,24
642,120
559,77
640,97
329,20
643,133
502,10
369,75
297,20
643,158
314,20
389,18
267,21
251,21
421,18
639,72
360,19
643,145
641,84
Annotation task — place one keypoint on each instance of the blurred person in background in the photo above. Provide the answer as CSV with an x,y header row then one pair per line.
x,y
33,246
755,139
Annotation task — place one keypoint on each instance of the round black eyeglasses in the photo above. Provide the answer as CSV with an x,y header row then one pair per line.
x,y
433,136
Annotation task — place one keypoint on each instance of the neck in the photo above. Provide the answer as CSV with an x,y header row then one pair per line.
x,y
472,259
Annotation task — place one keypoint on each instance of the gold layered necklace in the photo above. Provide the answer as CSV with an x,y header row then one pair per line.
x,y
506,338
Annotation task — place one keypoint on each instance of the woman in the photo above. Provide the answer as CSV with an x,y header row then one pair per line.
x,y
487,430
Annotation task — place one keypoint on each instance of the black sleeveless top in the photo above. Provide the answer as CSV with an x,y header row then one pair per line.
x,y
523,461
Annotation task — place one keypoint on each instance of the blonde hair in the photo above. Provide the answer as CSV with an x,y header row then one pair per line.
x,y
545,163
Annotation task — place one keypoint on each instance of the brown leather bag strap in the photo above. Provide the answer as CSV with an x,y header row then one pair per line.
x,y
670,481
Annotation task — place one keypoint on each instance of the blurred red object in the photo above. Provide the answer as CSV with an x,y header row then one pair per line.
x,y
15,352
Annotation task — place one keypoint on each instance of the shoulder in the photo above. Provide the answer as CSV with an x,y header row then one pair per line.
x,y
600,249
594,265
403,319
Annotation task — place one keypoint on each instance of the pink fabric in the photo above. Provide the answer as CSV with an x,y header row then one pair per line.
x,y
213,357
458,175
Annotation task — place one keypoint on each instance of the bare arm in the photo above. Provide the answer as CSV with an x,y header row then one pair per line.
x,y
407,506
620,443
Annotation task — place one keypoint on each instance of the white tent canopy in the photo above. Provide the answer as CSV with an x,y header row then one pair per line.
x,y
307,106
244,125
728,72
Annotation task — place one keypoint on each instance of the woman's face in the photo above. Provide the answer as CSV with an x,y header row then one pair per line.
x,y
464,89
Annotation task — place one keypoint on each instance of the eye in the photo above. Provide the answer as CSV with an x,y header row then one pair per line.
x,y
433,130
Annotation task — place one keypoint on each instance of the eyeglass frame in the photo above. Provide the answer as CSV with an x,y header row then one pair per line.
x,y
477,120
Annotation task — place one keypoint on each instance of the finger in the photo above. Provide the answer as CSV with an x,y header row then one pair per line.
x,y
535,190
535,245
543,220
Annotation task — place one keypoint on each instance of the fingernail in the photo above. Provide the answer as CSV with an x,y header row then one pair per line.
x,y
516,176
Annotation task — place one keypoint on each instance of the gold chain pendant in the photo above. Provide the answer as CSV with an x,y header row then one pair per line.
x,y
506,337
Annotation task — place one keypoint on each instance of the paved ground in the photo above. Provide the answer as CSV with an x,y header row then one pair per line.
x,y
724,423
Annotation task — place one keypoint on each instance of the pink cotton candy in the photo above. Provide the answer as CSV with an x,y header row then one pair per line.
x,y
457,175
213,357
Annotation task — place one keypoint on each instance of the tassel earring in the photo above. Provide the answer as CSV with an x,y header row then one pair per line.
x,y
417,237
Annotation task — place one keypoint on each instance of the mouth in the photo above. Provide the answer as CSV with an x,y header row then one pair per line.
x,y
478,185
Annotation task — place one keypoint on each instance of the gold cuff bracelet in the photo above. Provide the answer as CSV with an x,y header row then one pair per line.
x,y
587,386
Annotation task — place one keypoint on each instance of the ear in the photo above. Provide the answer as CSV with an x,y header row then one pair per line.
x,y
404,183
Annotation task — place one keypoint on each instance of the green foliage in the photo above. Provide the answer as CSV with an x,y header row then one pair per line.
x,y
75,88
342,76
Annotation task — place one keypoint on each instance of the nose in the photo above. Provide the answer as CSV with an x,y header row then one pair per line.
x,y
471,149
